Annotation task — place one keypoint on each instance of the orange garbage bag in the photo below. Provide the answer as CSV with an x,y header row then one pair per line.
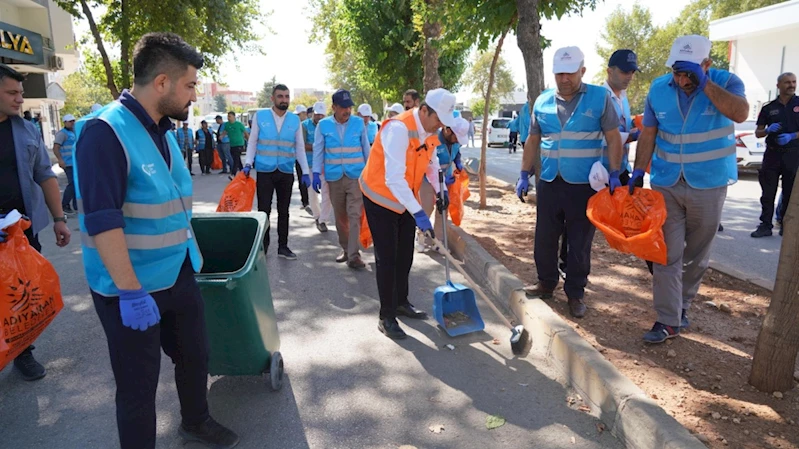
x,y
632,224
238,195
365,236
217,163
30,293
458,194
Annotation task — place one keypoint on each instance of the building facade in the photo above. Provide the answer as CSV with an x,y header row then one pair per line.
x,y
207,93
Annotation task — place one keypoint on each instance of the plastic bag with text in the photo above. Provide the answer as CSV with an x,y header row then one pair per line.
x,y
217,163
30,293
365,236
238,195
632,224
458,194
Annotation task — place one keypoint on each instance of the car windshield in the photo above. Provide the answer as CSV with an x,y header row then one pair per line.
x,y
500,123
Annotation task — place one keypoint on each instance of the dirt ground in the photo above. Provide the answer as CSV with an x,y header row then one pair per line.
x,y
699,378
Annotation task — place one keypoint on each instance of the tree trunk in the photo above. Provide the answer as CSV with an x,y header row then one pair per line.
x,y
124,45
431,32
109,71
528,37
486,108
778,343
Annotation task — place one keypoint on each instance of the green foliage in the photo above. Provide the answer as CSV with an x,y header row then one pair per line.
x,y
264,96
220,103
82,92
304,99
477,77
477,106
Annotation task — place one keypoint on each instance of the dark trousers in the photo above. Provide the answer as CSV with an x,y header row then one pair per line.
x,y
776,164
303,187
69,192
267,185
560,207
136,359
33,240
235,153
189,154
206,159
393,235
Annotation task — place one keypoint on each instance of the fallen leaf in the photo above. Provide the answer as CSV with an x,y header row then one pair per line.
x,y
496,341
494,421
437,428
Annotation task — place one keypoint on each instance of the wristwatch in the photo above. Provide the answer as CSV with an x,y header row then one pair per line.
x,y
62,219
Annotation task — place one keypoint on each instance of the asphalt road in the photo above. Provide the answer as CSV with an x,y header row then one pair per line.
x,y
346,385
734,248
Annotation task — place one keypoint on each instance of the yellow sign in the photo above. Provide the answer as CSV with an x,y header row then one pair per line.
x,y
21,45
16,42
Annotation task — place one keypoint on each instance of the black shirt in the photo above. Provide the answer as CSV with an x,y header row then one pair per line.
x,y
10,190
787,115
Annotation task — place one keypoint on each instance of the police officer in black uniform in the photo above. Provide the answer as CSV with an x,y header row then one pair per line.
x,y
778,122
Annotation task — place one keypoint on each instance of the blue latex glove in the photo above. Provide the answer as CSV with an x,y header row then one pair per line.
x,y
774,128
458,163
138,309
636,180
614,181
317,183
246,170
523,185
694,71
442,203
449,180
306,181
784,138
423,223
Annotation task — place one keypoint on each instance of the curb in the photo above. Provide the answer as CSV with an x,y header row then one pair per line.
x,y
738,274
630,414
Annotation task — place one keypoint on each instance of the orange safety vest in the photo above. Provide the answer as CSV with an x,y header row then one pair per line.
x,y
417,158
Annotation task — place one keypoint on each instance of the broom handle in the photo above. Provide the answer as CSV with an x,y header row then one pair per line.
x,y
444,218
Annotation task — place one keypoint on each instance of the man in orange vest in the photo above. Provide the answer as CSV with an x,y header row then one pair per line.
x,y
403,153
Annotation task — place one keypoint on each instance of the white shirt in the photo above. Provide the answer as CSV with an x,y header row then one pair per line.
x,y
299,141
619,101
394,137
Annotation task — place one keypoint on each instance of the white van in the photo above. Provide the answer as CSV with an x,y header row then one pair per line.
x,y
498,132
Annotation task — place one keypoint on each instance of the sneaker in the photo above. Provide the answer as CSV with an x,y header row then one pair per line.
x,y
660,333
355,262
210,433
342,257
761,231
68,210
684,323
286,253
309,210
321,226
28,366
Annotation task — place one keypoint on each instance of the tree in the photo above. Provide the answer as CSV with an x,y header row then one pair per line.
x,y
264,97
211,27
220,103
477,76
82,92
304,99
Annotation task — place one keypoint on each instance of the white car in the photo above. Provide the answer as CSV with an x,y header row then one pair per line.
x,y
750,148
498,132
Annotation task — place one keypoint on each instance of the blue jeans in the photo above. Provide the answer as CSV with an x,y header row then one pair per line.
x,y
223,149
69,191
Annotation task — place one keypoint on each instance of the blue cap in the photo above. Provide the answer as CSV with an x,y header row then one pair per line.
x,y
625,60
342,98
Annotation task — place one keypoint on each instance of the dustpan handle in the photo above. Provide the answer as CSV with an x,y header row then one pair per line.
x,y
444,220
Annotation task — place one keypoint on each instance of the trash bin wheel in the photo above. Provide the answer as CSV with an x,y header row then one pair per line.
x,y
274,374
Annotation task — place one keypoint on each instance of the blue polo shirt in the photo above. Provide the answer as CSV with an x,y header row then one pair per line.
x,y
100,155
734,86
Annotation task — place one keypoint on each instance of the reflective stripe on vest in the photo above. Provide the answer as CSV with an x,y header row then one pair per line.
x,y
695,157
275,149
379,199
66,148
144,242
342,158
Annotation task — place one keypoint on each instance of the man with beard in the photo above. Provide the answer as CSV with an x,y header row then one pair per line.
x,y
205,146
411,99
139,251
274,147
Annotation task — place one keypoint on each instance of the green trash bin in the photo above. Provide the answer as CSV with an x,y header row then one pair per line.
x,y
239,314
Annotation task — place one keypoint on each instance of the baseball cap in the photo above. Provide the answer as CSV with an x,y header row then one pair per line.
x,y
374,116
398,108
461,130
691,48
568,60
320,108
343,98
69,118
96,107
365,110
625,60
299,109
443,103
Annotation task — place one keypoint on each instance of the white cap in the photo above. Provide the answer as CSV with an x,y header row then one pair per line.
x,y
691,48
461,130
365,110
69,118
398,108
443,103
96,107
320,108
374,116
300,109
568,60
599,177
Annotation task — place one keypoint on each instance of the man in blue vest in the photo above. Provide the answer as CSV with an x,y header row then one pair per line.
x,y
524,121
689,136
63,145
341,148
223,146
301,112
321,208
274,147
566,130
205,147
513,128
186,144
365,112
139,251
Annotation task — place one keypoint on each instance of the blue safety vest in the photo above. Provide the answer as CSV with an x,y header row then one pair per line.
x,y
343,157
221,129
180,136
200,138
276,149
446,154
310,133
700,146
570,150
68,146
157,210
82,121
623,111
524,122
371,132
513,126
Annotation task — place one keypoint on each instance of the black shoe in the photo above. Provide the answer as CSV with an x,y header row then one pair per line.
x,y
721,228
577,308
210,433
410,311
781,228
286,253
537,291
321,226
223,172
191,173
342,257
308,210
761,231
391,329
28,366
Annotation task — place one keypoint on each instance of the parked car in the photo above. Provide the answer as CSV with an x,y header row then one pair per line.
x,y
750,148
498,132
